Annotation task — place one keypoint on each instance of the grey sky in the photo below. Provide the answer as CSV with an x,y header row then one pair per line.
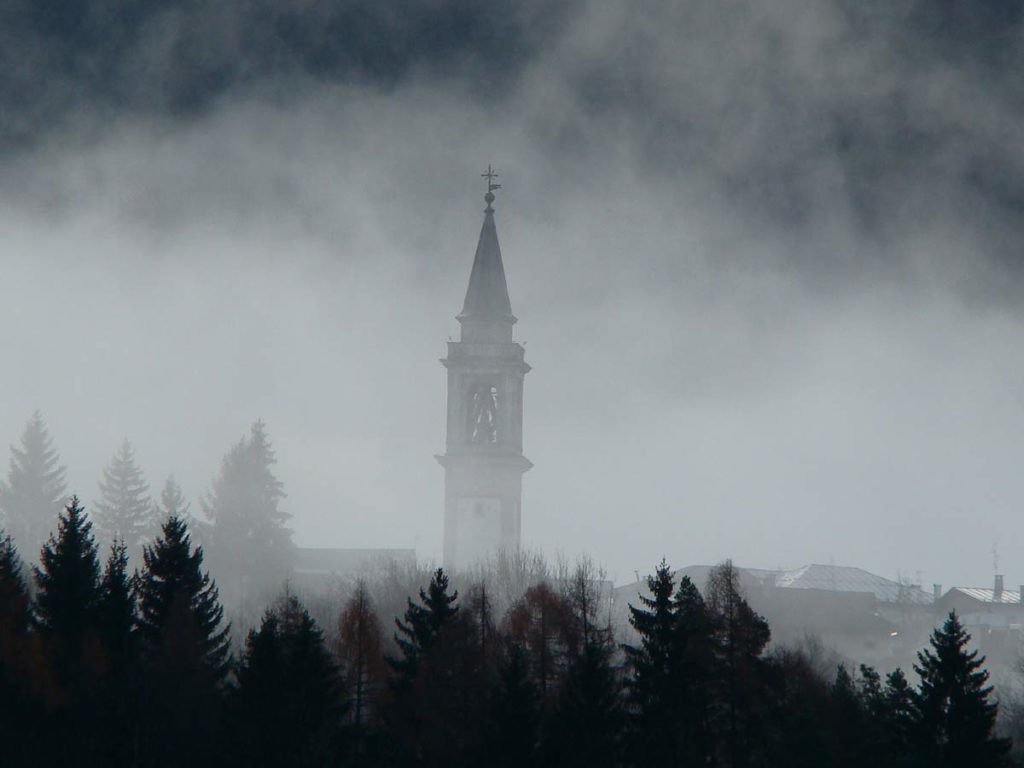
x,y
765,263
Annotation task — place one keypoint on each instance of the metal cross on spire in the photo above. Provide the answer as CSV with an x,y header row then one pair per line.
x,y
490,174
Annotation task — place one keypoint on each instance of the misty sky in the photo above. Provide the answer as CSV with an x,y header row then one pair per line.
x,y
766,260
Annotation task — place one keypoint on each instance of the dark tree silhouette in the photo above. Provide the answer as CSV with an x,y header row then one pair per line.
x,y
671,670
184,652
35,490
67,609
740,637
587,724
288,706
514,712
68,594
117,616
250,543
423,622
20,664
954,716
431,641
124,510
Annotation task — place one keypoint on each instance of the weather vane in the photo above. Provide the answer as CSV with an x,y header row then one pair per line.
x,y
490,174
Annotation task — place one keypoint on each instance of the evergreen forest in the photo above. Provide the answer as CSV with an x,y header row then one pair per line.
x,y
116,650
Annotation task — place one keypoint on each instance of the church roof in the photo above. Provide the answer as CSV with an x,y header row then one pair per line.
x,y
487,294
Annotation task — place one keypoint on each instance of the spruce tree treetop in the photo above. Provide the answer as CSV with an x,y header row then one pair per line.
x,y
35,490
117,602
177,597
422,624
251,544
67,577
124,510
955,718
15,609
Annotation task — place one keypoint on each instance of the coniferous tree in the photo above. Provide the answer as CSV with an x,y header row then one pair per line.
x,y
740,638
251,545
423,623
184,653
117,605
172,503
116,616
288,707
67,610
954,718
430,642
124,510
898,717
35,490
19,711
587,724
671,670
360,651
68,593
514,712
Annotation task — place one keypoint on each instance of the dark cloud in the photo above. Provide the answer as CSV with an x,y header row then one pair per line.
x,y
765,256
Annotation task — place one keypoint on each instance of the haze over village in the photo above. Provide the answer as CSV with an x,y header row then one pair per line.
x,y
715,284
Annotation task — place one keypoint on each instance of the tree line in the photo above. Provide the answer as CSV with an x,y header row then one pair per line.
x,y
103,666
240,521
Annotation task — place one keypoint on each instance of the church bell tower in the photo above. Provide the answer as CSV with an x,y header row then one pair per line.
x,y
483,460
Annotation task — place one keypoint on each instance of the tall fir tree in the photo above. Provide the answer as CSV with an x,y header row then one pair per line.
x,y
251,544
425,675
515,714
954,716
67,610
68,592
288,705
116,616
20,713
587,725
423,623
172,503
35,491
670,673
184,650
124,510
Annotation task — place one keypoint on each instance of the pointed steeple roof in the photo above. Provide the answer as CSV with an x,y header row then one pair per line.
x,y
487,294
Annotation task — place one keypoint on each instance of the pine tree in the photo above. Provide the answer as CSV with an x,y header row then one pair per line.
x,y
671,670
430,642
741,636
172,503
184,652
288,705
514,712
898,717
116,613
587,725
423,623
67,610
68,592
35,490
124,510
954,716
117,606
251,544
19,711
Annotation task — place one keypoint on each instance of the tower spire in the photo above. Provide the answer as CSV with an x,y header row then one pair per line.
x,y
487,302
